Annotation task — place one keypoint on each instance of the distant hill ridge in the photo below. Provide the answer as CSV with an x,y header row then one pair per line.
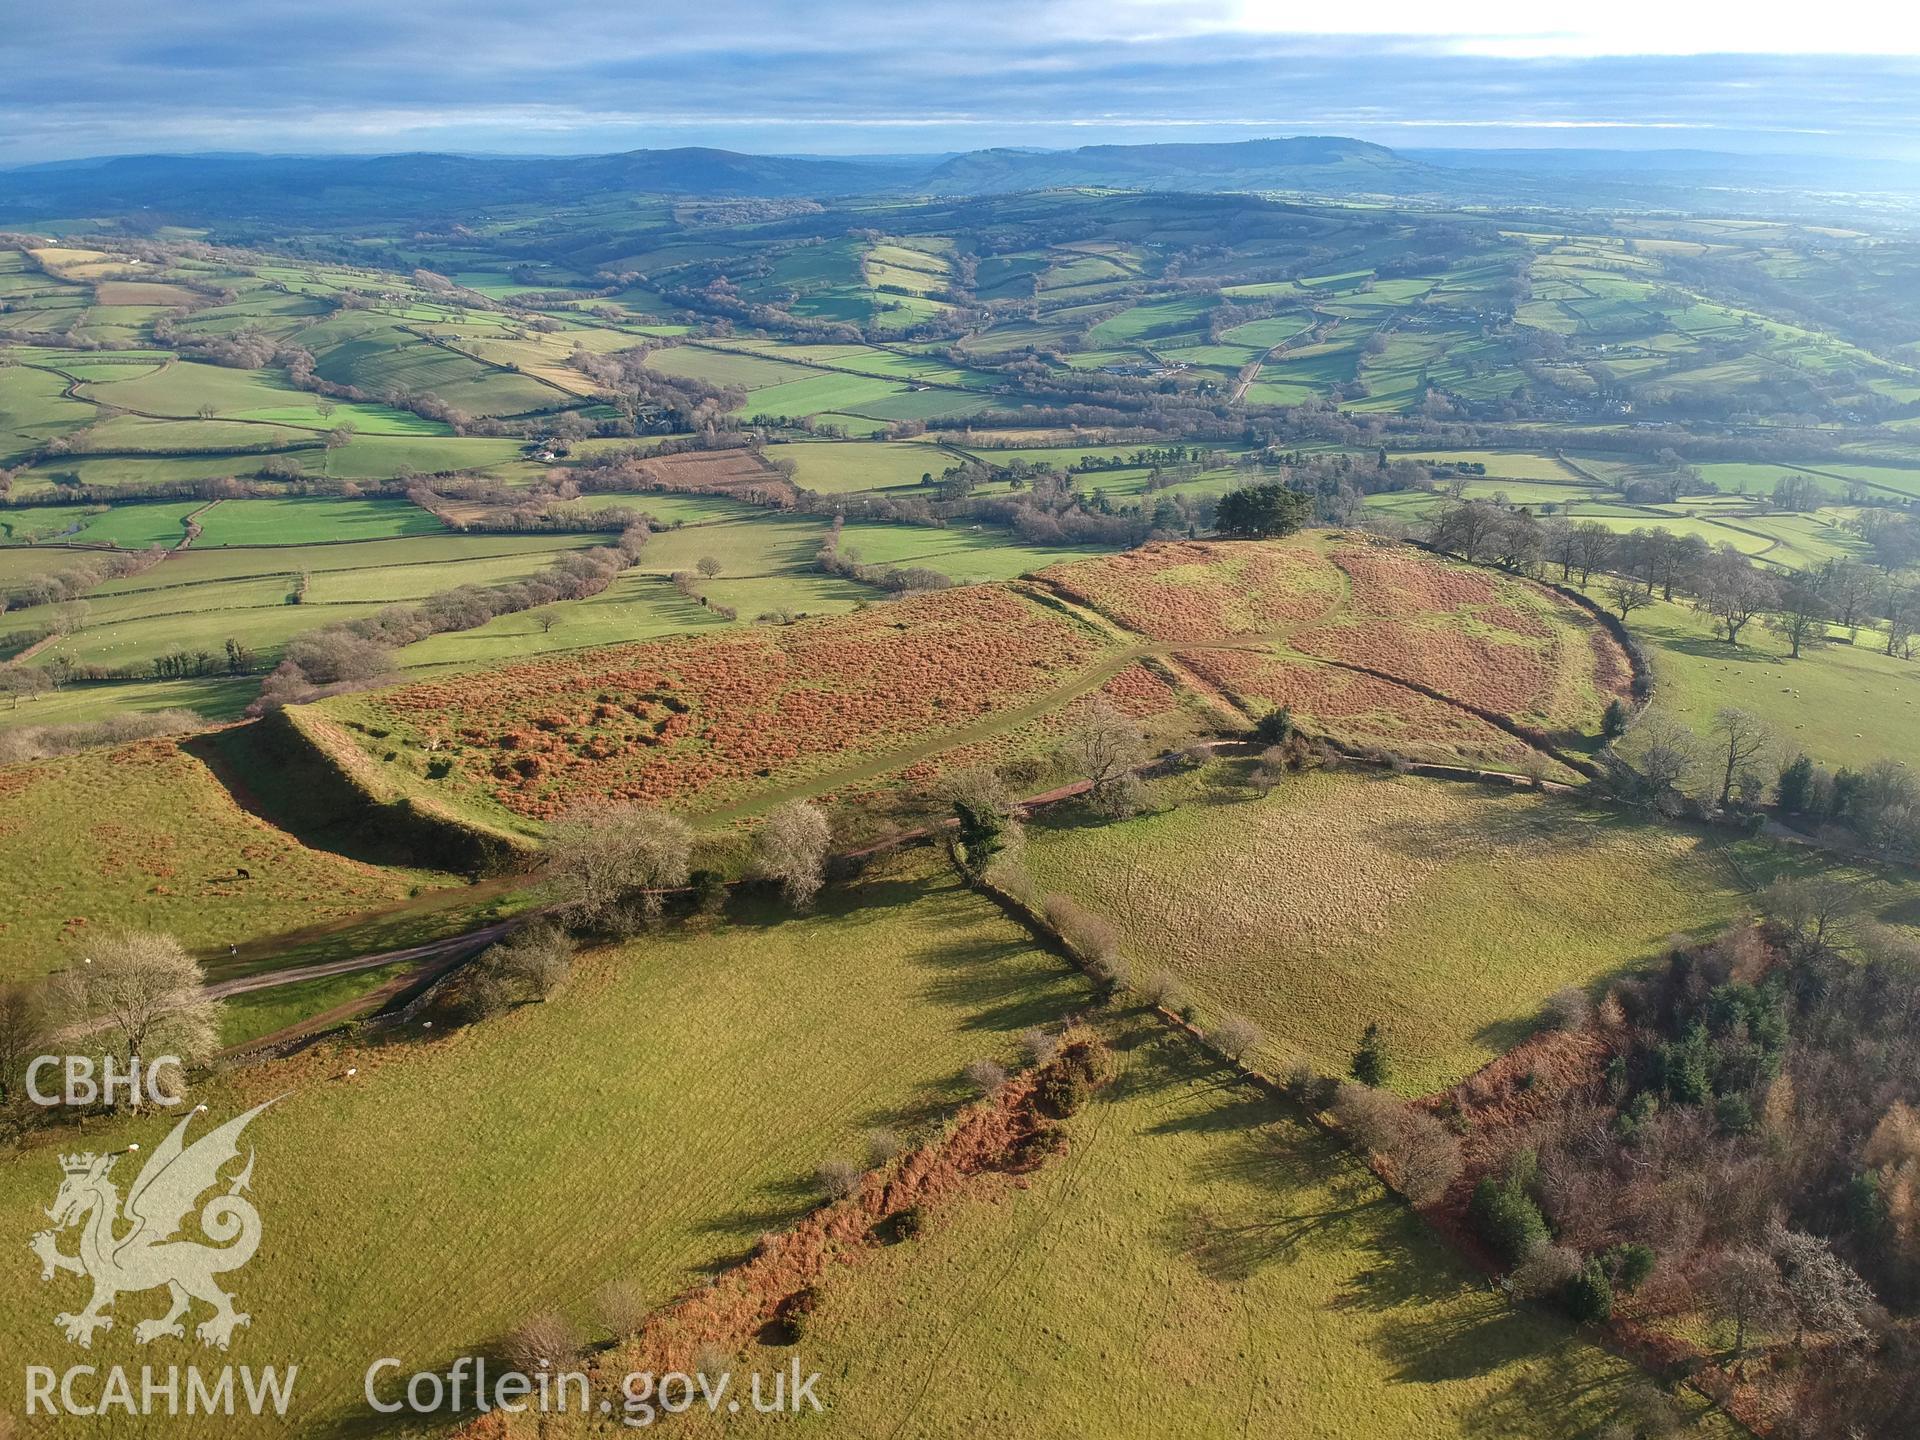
x,y
431,185
240,180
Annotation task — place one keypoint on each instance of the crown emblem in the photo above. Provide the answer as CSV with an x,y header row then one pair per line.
x,y
78,1164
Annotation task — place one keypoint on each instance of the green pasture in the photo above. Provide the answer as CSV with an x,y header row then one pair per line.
x,y
144,837
34,409
184,388
381,457
839,467
725,368
648,1072
1446,912
1155,317
188,568
214,698
306,520
819,393
1197,1261
1842,704
964,554
663,507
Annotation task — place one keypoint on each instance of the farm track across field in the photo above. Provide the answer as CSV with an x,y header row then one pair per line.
x,y
1321,329
328,969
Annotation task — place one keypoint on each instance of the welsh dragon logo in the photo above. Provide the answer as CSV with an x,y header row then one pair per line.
x,y
136,1245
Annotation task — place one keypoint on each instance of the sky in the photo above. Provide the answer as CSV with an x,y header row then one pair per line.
x,y
93,77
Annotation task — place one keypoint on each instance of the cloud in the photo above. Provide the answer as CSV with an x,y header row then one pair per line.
x,y
1528,29
103,76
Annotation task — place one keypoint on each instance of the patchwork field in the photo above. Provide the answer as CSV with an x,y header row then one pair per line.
x,y
275,583
309,521
835,468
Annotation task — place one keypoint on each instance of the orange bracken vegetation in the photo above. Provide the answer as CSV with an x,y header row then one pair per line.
x,y
694,722
1203,591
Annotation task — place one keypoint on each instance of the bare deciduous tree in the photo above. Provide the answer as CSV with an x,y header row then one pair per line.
x,y
1164,990
838,1176
1090,934
1236,1037
986,1076
1732,590
791,847
1593,547
1667,754
622,1308
1625,595
1739,739
22,1031
1568,1008
1418,1153
882,1146
546,1341
1802,617
1743,1286
1105,746
1823,1293
532,964
1820,910
1849,588
603,854
1544,1273
71,616
143,993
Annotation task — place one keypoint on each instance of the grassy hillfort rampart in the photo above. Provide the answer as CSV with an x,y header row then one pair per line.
x,y
1366,645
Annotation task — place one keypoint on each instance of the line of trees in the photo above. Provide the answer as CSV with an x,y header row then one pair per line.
x,y
839,559
85,571
1721,583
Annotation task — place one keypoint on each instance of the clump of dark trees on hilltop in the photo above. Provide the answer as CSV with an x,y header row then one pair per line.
x,y
1750,1149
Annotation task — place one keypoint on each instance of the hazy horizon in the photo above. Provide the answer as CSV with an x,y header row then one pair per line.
x,y
906,154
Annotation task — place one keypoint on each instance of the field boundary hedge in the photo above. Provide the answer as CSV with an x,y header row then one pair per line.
x,y
1009,1132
